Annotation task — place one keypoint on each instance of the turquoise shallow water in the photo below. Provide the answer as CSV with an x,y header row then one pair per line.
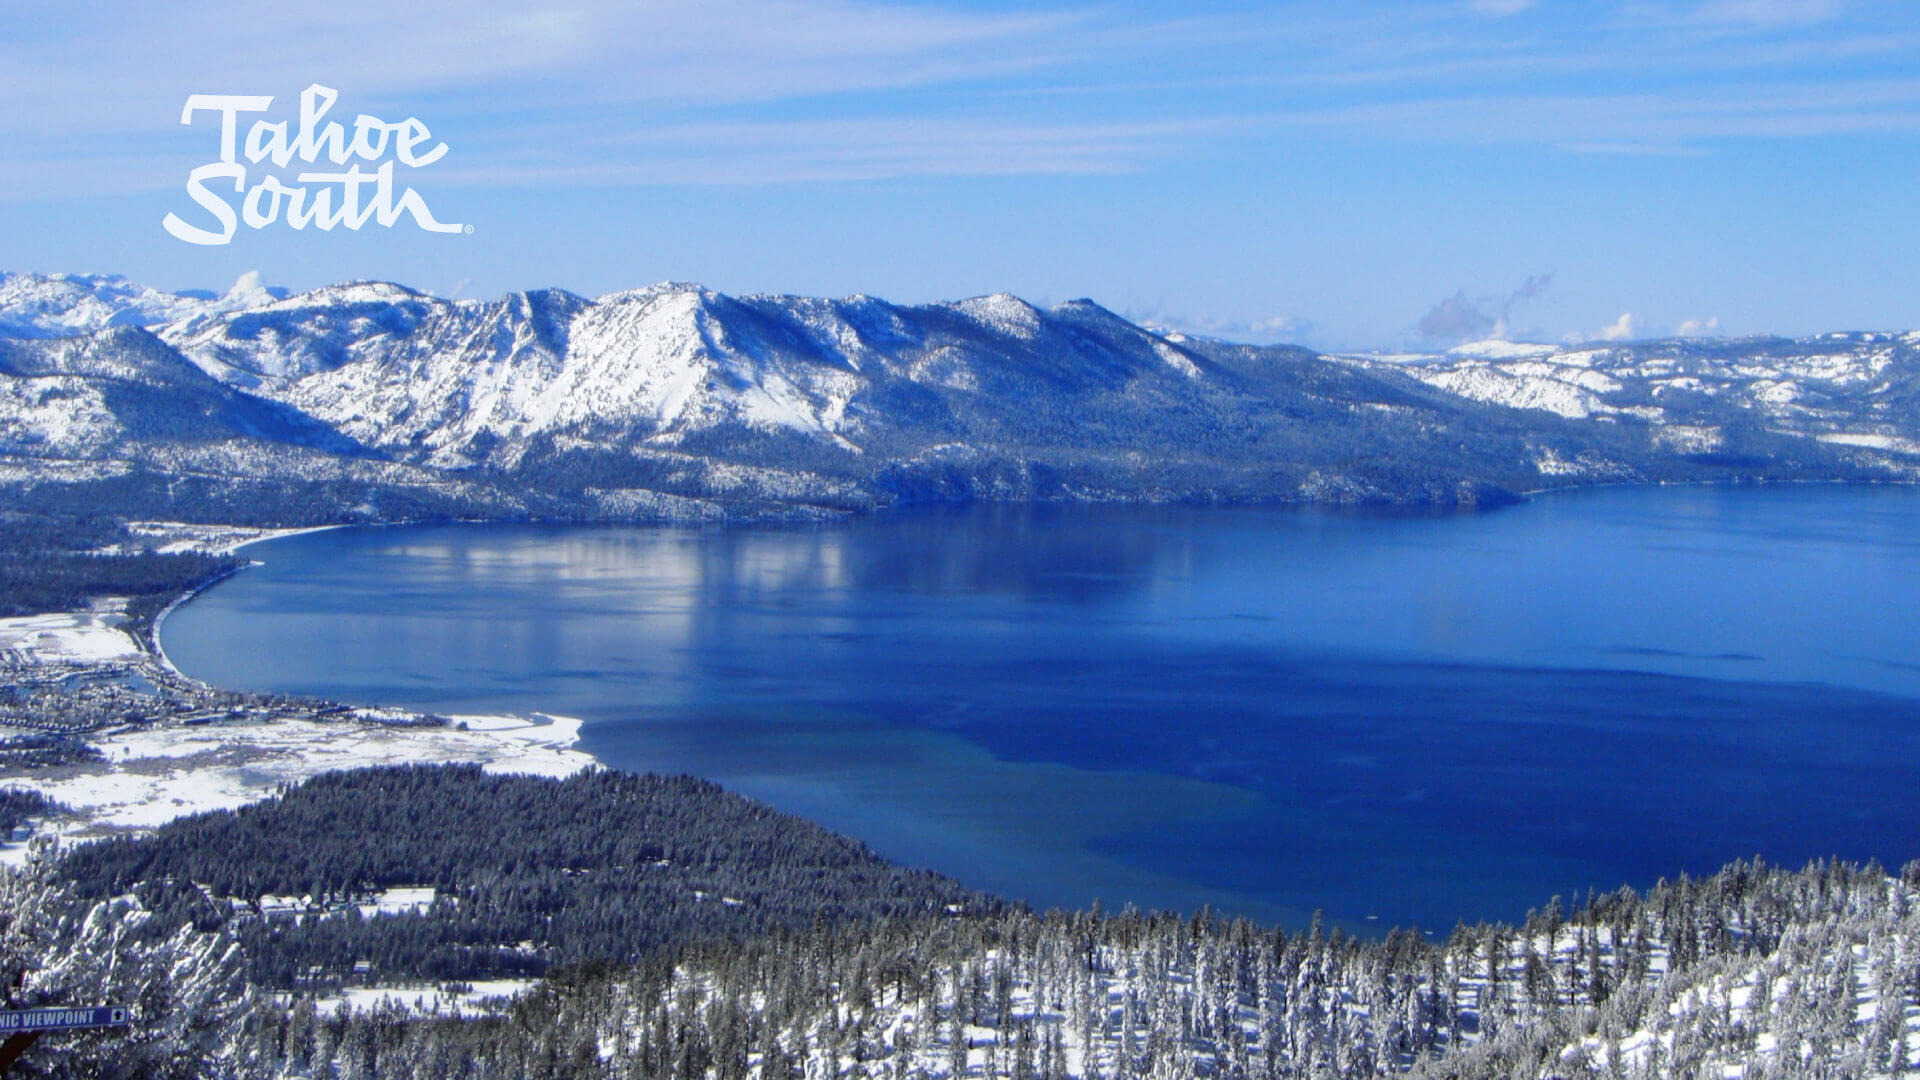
x,y
1395,719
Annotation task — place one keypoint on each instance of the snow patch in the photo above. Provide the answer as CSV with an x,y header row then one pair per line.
x,y
1501,349
480,996
92,637
1896,443
153,775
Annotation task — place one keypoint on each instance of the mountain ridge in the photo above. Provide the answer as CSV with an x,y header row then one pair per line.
x,y
674,395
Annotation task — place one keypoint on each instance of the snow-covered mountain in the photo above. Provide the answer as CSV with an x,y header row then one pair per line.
x,y
681,389
558,403
1855,389
62,305
456,384
121,389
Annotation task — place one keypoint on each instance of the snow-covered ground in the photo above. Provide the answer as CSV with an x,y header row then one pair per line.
x,y
399,900
465,998
1873,441
175,537
155,774
72,637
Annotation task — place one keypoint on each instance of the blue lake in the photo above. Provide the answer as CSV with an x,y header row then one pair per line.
x,y
1396,719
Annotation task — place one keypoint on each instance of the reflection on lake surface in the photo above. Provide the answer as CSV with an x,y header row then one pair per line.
x,y
1415,718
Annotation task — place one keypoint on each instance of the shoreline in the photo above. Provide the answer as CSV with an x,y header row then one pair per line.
x,y
152,642
1756,482
207,748
238,746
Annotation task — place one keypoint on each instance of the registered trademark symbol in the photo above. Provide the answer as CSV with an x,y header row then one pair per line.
x,y
469,230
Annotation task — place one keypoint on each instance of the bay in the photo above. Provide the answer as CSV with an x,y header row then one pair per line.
x,y
1397,719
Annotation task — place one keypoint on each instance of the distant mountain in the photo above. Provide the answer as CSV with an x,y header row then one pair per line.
x,y
679,401
62,305
1859,389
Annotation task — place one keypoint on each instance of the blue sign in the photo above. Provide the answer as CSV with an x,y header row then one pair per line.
x,y
62,1019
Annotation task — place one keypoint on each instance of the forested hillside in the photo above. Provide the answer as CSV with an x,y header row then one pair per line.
x,y
53,563
523,872
834,964
1754,971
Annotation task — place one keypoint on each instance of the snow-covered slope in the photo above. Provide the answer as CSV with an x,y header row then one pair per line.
x,y
1857,384
122,390
608,405
62,305
460,383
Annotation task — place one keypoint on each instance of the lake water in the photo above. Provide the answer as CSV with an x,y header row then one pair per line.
x,y
1396,719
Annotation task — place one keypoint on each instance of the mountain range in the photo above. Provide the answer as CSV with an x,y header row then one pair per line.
x,y
377,401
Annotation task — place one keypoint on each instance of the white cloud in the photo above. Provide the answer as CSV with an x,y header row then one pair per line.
x,y
1699,328
1664,122
604,91
1624,328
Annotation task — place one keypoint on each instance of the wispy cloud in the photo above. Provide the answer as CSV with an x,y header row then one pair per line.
x,y
1631,149
758,91
1667,122
1288,329
1770,12
743,152
592,52
740,90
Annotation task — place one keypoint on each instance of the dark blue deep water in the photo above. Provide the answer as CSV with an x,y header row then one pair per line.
x,y
1407,720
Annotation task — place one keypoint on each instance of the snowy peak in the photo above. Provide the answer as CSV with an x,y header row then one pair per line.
x,y
298,336
65,305
1002,313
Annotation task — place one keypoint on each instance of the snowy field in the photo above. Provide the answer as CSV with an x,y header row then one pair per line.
x,y
153,775
486,995
176,537
76,637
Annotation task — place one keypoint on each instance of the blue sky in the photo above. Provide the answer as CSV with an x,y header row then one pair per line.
x,y
1355,175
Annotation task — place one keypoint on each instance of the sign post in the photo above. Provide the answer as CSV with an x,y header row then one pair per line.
x,y
23,1027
